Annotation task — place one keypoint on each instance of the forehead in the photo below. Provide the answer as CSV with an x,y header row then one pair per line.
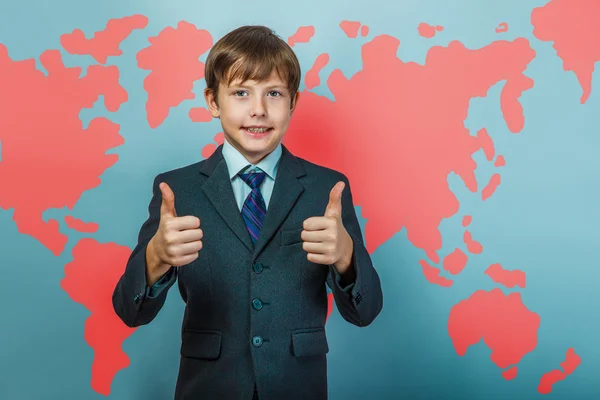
x,y
273,80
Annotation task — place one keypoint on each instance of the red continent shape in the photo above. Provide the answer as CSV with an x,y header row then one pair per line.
x,y
172,58
506,326
43,138
574,27
105,43
90,280
412,133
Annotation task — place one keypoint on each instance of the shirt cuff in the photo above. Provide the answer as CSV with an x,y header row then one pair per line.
x,y
338,279
155,290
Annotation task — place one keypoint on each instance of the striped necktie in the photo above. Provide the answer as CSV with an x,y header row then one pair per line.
x,y
254,208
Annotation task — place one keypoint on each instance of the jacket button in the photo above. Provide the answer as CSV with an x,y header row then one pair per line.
x,y
257,267
257,341
257,304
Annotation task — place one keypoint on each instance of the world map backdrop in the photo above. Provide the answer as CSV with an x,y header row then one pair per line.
x,y
469,132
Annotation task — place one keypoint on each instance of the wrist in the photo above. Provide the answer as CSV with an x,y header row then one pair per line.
x,y
155,268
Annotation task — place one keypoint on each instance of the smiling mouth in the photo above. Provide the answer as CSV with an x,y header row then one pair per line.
x,y
257,130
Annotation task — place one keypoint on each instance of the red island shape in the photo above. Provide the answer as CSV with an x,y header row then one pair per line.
x,y
548,380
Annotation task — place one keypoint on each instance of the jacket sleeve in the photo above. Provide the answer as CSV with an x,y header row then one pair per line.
x,y
360,301
133,301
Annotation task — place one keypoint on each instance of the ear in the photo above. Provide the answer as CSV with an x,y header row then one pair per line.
x,y
294,102
211,102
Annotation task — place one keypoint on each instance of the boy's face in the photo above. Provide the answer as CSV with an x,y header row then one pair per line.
x,y
254,115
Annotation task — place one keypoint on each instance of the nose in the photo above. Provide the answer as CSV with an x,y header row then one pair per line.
x,y
258,108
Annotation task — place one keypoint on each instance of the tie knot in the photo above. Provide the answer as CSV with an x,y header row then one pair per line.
x,y
253,179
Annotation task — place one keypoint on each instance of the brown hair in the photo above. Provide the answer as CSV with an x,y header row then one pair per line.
x,y
251,52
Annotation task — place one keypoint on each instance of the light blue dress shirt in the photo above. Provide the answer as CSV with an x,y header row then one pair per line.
x,y
236,162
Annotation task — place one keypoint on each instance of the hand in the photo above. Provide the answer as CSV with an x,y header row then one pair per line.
x,y
177,240
325,239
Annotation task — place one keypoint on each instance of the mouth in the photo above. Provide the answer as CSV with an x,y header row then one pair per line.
x,y
257,131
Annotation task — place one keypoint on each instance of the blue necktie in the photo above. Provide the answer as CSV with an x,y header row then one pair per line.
x,y
254,208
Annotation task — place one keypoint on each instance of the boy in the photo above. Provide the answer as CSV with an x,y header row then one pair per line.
x,y
252,277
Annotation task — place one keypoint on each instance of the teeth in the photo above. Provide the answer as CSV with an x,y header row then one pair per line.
x,y
257,130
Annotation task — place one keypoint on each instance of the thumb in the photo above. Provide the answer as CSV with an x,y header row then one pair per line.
x,y
334,207
167,207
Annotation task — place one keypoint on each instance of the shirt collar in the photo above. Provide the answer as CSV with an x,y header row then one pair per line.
x,y
236,161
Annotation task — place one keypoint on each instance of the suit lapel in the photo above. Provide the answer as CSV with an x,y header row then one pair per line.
x,y
220,193
286,191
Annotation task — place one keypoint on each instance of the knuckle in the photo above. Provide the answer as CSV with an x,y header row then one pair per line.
x,y
169,240
170,224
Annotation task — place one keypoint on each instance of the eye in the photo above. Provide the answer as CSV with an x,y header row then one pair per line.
x,y
240,93
275,93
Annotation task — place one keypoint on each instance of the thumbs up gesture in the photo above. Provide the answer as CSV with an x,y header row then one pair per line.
x,y
325,239
177,240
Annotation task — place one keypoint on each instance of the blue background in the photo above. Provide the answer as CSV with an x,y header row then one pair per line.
x,y
543,218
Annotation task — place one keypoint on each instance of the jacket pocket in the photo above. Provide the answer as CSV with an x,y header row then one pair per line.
x,y
309,342
292,236
204,344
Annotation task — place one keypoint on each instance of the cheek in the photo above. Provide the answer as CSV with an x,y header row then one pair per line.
x,y
281,116
233,116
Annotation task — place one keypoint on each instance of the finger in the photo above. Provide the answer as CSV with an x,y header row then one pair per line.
x,y
178,250
189,235
167,207
316,223
318,258
316,248
319,236
334,207
184,223
190,248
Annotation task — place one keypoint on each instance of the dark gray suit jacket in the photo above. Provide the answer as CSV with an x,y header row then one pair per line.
x,y
253,313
